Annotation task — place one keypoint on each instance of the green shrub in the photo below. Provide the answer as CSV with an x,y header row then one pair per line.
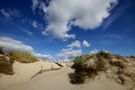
x,y
101,65
78,78
118,64
104,55
132,57
23,57
84,71
119,57
78,62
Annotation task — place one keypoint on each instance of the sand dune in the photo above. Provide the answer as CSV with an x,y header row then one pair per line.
x,y
59,80
23,72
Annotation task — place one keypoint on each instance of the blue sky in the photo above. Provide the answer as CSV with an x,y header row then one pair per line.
x,y
61,29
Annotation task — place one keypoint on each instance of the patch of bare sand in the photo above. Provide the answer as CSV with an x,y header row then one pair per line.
x,y
23,72
59,80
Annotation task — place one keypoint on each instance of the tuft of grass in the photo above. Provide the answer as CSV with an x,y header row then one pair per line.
x,y
84,71
2,51
23,57
114,66
118,64
5,66
119,57
101,65
104,55
133,57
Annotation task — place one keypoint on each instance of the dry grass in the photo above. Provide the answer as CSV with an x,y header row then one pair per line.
x,y
89,66
5,66
84,70
1,51
6,61
23,57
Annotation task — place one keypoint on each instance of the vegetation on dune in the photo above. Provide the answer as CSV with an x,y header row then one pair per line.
x,y
89,66
23,57
5,64
87,69
1,50
132,57
6,61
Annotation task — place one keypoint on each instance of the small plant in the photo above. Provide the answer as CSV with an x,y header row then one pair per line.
x,y
23,57
132,57
104,55
5,66
119,57
101,65
118,64
84,70
1,50
78,62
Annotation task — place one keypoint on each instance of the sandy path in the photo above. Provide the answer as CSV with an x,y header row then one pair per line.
x,y
23,72
59,80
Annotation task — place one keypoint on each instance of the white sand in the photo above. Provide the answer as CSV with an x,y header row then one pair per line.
x,y
59,80
23,72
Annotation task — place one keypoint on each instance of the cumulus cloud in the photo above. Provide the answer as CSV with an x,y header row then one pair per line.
x,y
10,13
86,44
75,44
72,50
86,14
94,51
69,54
43,56
12,44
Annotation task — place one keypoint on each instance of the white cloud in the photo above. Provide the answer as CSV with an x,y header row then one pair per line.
x,y
4,13
71,51
94,51
86,14
112,36
75,44
35,24
120,11
86,44
69,54
12,44
43,56
35,3
27,31
10,13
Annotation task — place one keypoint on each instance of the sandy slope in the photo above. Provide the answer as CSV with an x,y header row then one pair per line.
x,y
59,80
23,72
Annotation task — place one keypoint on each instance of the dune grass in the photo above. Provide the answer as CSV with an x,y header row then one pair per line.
x,y
1,50
88,66
83,71
5,66
22,56
7,59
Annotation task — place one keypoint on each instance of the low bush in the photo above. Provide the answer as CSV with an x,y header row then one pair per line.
x,y
5,66
118,64
1,51
104,55
101,65
84,71
23,57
